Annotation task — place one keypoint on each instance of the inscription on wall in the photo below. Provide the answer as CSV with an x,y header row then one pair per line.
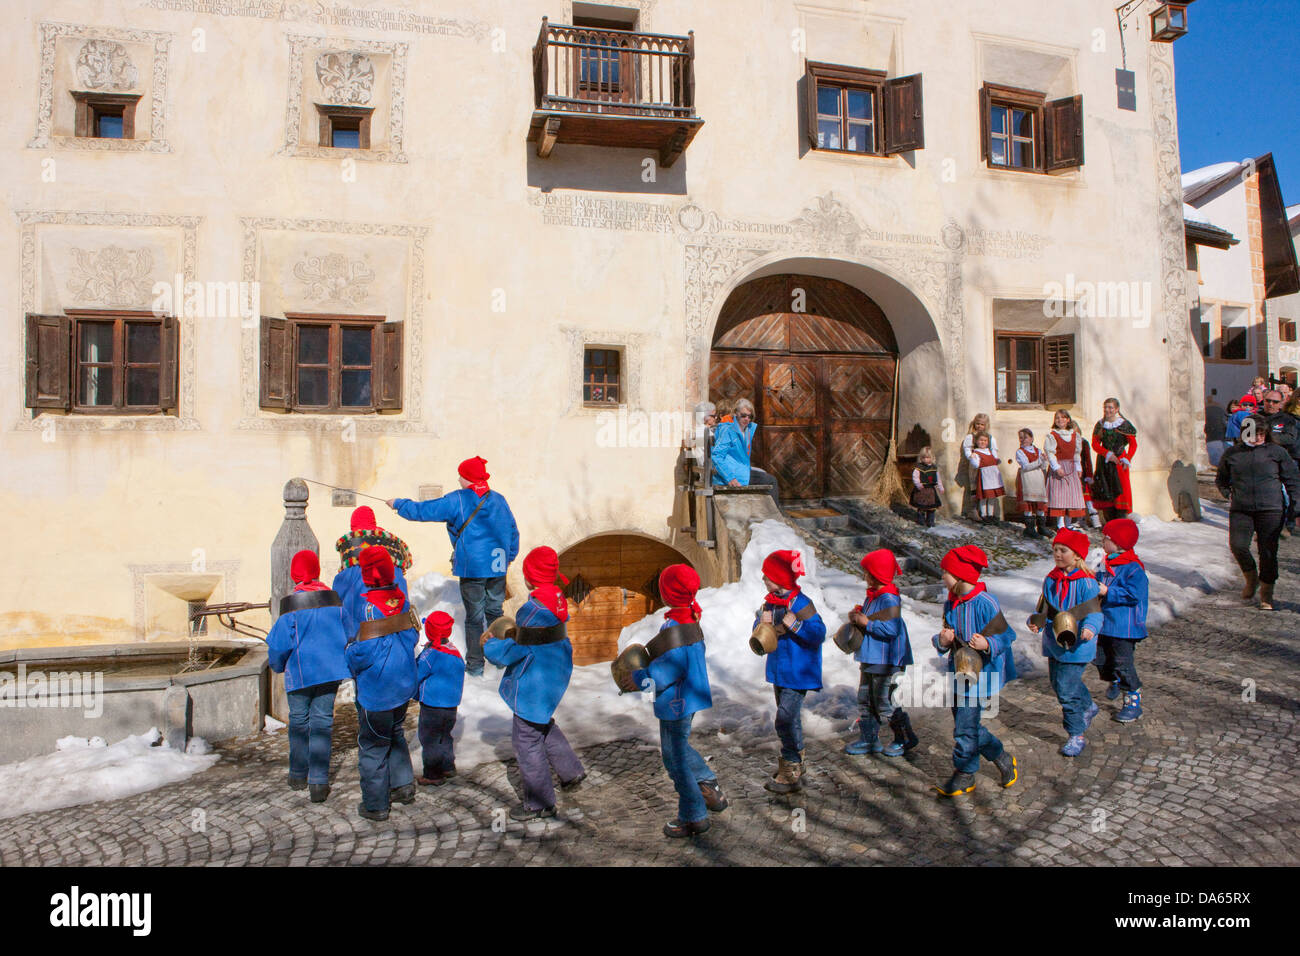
x,y
330,14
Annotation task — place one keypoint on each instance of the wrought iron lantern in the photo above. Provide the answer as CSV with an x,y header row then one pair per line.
x,y
1168,22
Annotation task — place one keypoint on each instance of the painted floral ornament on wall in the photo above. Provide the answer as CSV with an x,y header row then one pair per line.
x,y
348,79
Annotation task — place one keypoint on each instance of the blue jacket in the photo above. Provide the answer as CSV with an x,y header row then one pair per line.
x,y
731,452
1078,591
490,542
681,680
349,586
307,647
441,678
797,661
1124,605
536,675
383,666
970,617
886,642
1232,432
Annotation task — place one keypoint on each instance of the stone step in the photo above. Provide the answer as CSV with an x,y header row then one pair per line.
x,y
823,523
928,593
854,544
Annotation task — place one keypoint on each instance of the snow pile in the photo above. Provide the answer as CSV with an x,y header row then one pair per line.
x,y
84,770
1184,561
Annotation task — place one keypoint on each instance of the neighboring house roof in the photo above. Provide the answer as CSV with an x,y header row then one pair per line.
x,y
1293,215
1199,230
1198,182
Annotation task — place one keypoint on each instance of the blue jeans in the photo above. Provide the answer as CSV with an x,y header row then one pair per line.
x,y
686,768
384,759
789,722
437,749
1067,681
875,702
970,738
311,722
1115,662
482,598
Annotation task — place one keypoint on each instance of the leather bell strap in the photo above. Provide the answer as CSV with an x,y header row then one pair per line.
x,y
806,612
670,638
533,636
1080,610
996,625
306,600
389,625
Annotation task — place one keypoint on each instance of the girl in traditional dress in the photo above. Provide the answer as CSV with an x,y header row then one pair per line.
x,y
1031,485
966,476
927,486
988,486
1114,439
1063,448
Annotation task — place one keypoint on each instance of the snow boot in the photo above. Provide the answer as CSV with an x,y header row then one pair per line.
x,y
1006,765
297,783
958,783
1113,691
714,799
1031,529
1266,596
379,816
522,813
677,829
859,747
1074,746
1252,582
318,792
404,794
1132,708
785,779
1090,714
904,737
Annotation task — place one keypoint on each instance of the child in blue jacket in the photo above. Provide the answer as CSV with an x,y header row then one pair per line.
x,y
681,683
384,667
306,645
795,667
972,615
347,583
538,662
1124,588
1067,586
884,653
440,671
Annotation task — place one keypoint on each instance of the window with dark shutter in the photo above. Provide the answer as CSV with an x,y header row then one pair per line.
x,y
331,364
1063,132
274,352
1020,130
850,109
49,361
390,367
1058,370
904,124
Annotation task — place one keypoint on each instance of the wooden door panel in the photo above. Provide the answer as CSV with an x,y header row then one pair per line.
x,y
795,457
732,377
860,389
857,454
789,392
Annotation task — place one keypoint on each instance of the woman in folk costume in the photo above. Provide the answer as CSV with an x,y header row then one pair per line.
x,y
1114,439
382,659
681,683
988,475
539,663
1071,587
1031,485
973,618
884,653
365,533
966,475
1063,447
306,644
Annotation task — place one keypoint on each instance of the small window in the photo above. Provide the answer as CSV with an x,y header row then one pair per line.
x,y
331,364
601,383
1286,330
1019,370
344,127
1022,130
1203,323
1234,335
855,110
105,115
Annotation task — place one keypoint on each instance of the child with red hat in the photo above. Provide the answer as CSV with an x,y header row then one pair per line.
x,y
539,663
885,651
382,659
1070,587
795,667
306,644
440,672
364,533
1124,588
973,617
681,683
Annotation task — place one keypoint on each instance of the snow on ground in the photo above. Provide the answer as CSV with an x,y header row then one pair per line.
x,y
1185,562
85,770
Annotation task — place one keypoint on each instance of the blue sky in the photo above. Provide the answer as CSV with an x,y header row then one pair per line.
x,y
1238,75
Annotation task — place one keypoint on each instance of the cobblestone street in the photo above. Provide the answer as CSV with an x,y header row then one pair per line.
x,y
1205,778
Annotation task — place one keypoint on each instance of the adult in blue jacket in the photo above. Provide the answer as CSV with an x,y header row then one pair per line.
x,y
1067,586
680,679
347,583
539,662
883,654
306,645
484,540
733,443
795,667
972,615
440,671
384,668
1124,590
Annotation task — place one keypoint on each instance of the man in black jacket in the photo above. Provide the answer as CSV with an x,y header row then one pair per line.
x,y
1253,475
1284,429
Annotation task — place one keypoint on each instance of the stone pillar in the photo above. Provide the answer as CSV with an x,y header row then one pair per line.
x,y
295,535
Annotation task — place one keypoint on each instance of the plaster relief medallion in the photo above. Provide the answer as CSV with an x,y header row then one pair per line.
x,y
953,237
348,79
105,65
690,217
113,276
335,278
828,224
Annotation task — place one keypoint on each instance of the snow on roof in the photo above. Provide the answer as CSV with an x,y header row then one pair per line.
x,y
1206,173
1292,214
1192,214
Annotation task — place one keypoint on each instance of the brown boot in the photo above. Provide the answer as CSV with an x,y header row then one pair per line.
x,y
1266,596
786,778
1252,582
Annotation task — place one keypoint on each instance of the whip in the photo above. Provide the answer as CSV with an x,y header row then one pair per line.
x,y
349,490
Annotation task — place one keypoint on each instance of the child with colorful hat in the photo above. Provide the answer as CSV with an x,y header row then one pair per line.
x,y
440,671
883,654
1124,587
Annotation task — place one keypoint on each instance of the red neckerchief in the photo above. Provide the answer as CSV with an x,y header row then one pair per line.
x,y
552,598
776,599
986,458
873,593
979,588
311,586
480,487
1031,452
445,646
1124,557
1063,582
389,600
685,615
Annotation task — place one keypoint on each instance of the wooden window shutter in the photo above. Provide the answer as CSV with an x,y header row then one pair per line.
x,y
810,106
169,356
388,394
277,364
49,361
1063,132
1058,370
984,123
904,126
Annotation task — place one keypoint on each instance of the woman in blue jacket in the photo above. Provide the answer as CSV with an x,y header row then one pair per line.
x,y
440,671
383,664
1124,586
306,645
1067,587
733,445
884,653
538,662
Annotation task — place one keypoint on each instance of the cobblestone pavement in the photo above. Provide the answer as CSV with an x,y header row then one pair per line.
x,y
1206,777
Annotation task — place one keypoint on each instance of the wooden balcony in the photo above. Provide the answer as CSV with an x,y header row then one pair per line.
x,y
613,88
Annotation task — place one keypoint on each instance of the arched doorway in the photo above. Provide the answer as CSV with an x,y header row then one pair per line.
x,y
613,582
818,359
